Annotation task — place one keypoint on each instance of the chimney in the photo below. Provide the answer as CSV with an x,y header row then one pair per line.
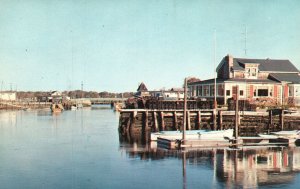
x,y
230,65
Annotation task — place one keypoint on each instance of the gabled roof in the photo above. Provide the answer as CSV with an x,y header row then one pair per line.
x,y
267,65
286,77
142,87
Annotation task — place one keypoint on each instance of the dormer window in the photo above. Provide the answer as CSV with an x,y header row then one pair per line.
x,y
251,71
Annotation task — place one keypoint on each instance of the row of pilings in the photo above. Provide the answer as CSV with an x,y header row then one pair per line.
x,y
137,124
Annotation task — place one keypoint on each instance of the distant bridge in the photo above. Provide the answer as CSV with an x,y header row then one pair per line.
x,y
102,100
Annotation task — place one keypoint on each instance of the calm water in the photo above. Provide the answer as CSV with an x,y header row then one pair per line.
x,y
82,149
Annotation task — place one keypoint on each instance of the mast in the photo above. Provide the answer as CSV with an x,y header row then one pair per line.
x,y
184,111
215,79
245,40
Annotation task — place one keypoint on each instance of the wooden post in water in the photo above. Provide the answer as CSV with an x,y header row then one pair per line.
x,y
220,119
270,120
199,119
155,121
145,124
184,111
175,120
214,116
236,133
281,118
162,121
188,120
146,120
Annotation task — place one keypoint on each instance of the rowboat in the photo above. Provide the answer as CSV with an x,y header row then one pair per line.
x,y
287,134
193,134
282,134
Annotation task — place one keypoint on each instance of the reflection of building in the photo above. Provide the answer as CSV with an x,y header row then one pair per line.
x,y
261,167
246,168
259,81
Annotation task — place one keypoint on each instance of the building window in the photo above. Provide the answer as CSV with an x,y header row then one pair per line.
x,y
227,92
220,90
241,93
197,90
253,72
212,90
291,91
297,91
262,92
205,90
200,90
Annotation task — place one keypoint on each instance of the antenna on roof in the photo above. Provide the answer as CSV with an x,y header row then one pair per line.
x,y
245,41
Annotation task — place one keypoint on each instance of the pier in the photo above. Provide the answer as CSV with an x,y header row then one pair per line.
x,y
137,124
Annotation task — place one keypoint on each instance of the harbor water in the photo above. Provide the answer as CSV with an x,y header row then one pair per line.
x,y
82,149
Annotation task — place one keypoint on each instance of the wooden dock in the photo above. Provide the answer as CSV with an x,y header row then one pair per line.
x,y
139,123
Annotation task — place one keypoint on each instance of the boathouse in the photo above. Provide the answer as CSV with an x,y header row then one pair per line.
x,y
260,81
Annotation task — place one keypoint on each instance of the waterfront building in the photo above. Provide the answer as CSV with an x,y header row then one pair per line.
x,y
260,81
170,94
8,95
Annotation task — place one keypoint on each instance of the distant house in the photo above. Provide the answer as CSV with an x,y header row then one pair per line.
x,y
270,81
142,91
55,96
8,95
172,94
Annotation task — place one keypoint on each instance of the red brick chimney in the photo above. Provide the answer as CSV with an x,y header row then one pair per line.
x,y
230,65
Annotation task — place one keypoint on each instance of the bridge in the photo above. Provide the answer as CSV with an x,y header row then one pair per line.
x,y
101,100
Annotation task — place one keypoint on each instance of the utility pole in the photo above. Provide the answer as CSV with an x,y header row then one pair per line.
x,y
245,41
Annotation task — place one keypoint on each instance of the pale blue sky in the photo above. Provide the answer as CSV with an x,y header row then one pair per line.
x,y
113,45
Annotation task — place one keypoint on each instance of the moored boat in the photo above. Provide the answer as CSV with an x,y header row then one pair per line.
x,y
56,108
194,134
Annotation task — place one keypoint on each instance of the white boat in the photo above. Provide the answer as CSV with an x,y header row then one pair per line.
x,y
194,134
220,134
287,134
266,136
282,134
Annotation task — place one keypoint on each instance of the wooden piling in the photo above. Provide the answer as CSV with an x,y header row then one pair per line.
x,y
214,116
175,120
220,119
146,121
188,120
155,122
162,121
199,119
270,120
281,118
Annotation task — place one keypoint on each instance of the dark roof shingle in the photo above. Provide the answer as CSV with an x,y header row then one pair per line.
x,y
269,65
287,77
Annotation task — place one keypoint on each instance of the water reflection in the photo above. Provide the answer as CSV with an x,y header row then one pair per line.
x,y
246,168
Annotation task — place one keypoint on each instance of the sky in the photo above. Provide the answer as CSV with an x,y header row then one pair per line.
x,y
113,45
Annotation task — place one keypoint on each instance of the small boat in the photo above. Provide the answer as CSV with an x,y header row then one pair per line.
x,y
56,108
266,136
194,134
220,134
287,134
282,134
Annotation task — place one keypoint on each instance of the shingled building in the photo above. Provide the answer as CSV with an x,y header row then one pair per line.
x,y
268,81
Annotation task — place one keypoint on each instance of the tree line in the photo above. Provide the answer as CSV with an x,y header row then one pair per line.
x,y
73,94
